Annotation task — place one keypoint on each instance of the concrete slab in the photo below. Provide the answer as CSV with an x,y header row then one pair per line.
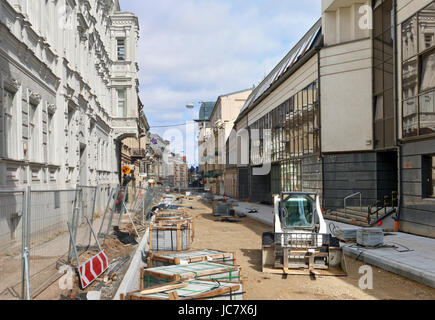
x,y
413,256
131,280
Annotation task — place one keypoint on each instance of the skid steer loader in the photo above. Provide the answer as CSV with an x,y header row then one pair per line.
x,y
300,243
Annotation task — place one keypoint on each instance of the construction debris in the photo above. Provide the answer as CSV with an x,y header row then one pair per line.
x,y
223,209
124,237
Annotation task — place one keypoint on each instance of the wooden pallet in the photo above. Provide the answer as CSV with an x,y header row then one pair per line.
x,y
219,255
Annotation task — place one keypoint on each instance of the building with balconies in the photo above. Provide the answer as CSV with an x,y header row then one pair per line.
x,y
68,83
213,150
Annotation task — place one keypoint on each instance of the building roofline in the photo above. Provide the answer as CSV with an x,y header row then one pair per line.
x,y
226,95
286,72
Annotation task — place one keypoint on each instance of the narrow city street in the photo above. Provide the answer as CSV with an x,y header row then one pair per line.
x,y
244,238
125,125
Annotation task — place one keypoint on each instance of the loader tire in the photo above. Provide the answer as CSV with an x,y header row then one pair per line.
x,y
268,239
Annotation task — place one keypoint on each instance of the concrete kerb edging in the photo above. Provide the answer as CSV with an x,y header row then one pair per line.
x,y
391,266
377,261
131,280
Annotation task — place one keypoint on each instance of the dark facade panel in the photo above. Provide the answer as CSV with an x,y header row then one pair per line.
x,y
276,179
386,178
372,174
418,210
260,188
411,175
418,229
351,167
243,183
417,203
418,216
412,189
349,158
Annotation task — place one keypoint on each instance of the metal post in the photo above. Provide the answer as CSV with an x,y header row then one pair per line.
x,y
26,270
112,212
24,237
28,231
105,211
92,215
143,207
74,223
73,241
93,233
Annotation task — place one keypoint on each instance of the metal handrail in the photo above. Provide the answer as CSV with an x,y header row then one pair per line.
x,y
352,196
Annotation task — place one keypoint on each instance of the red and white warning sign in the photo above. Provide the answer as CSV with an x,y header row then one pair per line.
x,y
93,268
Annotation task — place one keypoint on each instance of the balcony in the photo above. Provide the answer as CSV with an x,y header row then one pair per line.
x,y
125,127
138,153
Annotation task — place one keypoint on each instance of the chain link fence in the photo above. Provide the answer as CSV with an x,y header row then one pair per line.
x,y
34,231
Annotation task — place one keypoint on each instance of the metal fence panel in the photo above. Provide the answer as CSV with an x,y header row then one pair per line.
x,y
12,222
48,236
38,220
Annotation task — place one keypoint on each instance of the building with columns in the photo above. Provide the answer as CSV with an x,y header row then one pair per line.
x,y
68,91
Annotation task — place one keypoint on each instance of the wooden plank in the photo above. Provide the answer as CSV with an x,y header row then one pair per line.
x,y
141,279
151,239
178,238
164,288
173,295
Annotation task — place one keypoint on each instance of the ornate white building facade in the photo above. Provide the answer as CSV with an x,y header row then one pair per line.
x,y
69,91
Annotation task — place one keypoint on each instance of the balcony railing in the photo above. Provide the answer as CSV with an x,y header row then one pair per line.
x,y
138,153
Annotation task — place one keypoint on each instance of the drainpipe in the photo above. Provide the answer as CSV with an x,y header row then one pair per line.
x,y
319,97
396,103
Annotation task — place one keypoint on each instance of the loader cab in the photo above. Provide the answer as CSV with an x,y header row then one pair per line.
x,y
298,211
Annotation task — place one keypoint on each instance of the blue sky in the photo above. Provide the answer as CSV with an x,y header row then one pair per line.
x,y
196,50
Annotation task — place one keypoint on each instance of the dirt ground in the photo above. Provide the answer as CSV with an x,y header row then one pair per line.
x,y
114,249
244,238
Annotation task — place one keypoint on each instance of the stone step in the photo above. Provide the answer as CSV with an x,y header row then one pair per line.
x,y
351,212
333,217
348,216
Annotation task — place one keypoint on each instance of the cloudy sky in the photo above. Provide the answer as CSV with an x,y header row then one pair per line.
x,y
196,50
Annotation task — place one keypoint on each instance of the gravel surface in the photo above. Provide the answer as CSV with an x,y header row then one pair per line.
x,y
244,238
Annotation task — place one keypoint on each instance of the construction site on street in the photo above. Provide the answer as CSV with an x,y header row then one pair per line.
x,y
185,246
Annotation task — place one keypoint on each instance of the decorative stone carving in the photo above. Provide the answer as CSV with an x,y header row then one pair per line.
x,y
12,85
51,108
35,98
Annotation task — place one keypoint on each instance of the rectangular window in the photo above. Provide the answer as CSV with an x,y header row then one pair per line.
x,y
429,176
428,72
426,21
409,38
418,80
121,49
122,103
9,125
51,146
33,128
